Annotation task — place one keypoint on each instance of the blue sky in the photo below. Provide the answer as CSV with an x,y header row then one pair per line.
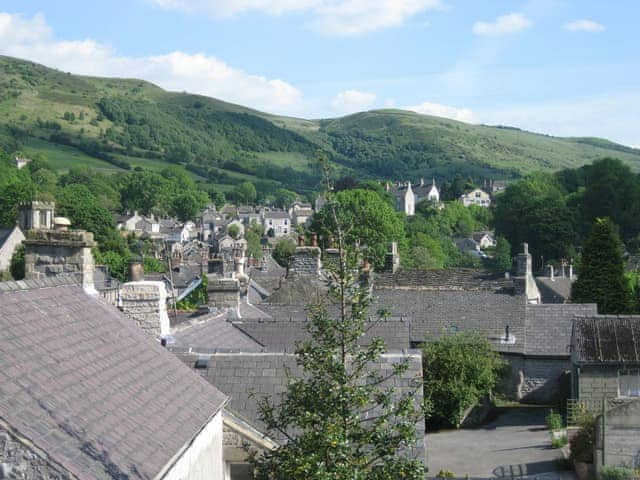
x,y
562,67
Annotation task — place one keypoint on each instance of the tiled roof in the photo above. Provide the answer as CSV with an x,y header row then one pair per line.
x,y
56,281
248,377
213,332
557,290
86,386
434,312
4,234
444,279
548,327
282,335
607,339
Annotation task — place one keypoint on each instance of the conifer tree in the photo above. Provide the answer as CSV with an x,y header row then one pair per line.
x,y
601,277
340,418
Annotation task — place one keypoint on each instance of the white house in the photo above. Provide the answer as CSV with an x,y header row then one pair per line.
x,y
278,221
484,239
10,239
476,197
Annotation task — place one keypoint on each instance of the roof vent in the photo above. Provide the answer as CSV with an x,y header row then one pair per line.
x,y
202,363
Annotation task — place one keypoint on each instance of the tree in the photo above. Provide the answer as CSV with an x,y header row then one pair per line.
x,y
245,193
233,231
601,276
534,210
340,418
283,251
503,261
459,369
368,219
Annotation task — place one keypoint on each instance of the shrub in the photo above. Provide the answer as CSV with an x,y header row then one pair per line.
x,y
617,473
554,420
559,442
582,443
445,474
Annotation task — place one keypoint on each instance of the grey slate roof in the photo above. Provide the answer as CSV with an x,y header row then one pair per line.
x,y
548,327
247,378
556,291
606,339
4,234
443,279
282,335
86,386
434,312
56,281
212,332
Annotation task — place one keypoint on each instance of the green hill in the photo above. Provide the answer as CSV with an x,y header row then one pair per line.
x,y
116,124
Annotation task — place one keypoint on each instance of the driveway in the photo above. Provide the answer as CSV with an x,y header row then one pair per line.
x,y
514,445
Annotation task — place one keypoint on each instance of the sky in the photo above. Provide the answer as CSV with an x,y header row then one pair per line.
x,y
559,67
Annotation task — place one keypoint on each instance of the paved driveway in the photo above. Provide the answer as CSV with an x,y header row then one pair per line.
x,y
514,445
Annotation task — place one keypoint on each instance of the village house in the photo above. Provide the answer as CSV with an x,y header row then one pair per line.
x,y
10,239
406,196
476,197
484,239
22,162
85,393
127,222
301,213
276,221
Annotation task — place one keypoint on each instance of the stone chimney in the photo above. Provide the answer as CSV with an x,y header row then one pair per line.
x,y
49,253
36,215
305,261
524,282
136,270
145,303
223,292
392,258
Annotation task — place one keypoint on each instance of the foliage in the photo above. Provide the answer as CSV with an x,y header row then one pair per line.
x,y
445,474
554,420
459,369
283,251
253,235
582,443
152,265
76,202
534,210
601,277
619,472
234,231
245,193
116,263
559,442
196,298
340,420
370,220
17,266
502,260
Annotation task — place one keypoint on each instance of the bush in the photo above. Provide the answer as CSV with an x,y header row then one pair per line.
x,y
559,442
617,473
583,442
554,420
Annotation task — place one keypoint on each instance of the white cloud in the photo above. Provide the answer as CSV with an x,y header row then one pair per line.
x,y
31,38
351,101
330,17
447,111
505,24
584,25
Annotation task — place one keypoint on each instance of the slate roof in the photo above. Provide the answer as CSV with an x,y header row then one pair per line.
x,y
606,339
282,335
4,234
434,312
548,327
248,377
444,279
212,332
89,388
556,291
55,281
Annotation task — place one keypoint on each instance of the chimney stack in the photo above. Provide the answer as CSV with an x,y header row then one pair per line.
x,y
392,258
145,303
136,270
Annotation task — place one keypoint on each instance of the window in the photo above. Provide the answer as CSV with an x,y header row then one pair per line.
x,y
43,219
629,383
477,194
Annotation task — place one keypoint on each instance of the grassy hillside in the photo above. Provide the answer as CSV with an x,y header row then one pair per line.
x,y
117,124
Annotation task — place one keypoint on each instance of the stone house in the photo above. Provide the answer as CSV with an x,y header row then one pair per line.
x,y
476,197
484,239
407,196
606,376
277,221
10,239
84,393
127,222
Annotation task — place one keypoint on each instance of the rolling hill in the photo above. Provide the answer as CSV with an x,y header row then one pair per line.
x,y
118,124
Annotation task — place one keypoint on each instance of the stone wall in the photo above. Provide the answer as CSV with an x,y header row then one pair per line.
x,y
541,380
18,461
49,253
305,262
596,382
621,436
145,303
223,292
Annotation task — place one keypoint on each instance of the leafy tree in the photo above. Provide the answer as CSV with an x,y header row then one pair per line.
x,y
17,189
459,369
245,193
233,231
369,220
17,266
283,251
85,212
340,419
284,197
502,261
601,276
534,210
